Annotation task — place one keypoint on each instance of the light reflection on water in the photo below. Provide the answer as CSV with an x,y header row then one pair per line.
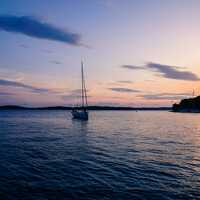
x,y
115,155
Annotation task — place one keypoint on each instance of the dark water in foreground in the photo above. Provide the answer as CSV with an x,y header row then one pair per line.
x,y
115,155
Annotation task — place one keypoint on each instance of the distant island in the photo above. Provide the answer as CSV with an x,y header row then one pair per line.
x,y
188,105
15,107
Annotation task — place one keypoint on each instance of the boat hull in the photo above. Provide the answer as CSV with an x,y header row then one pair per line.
x,y
81,115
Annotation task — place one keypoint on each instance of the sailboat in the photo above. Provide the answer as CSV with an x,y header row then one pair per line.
x,y
81,112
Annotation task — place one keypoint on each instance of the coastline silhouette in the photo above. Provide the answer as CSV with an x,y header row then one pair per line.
x,y
187,105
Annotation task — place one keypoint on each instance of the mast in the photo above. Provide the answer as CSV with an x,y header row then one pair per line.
x,y
84,91
82,84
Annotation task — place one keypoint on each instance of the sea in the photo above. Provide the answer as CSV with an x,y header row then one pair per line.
x,y
116,155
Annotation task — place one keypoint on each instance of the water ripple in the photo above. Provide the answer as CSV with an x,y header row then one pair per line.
x,y
115,155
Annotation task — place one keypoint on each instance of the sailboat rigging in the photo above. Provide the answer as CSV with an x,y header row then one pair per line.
x,y
81,112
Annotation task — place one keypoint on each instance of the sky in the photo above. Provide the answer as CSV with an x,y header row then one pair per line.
x,y
135,52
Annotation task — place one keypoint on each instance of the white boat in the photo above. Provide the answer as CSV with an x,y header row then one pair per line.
x,y
81,112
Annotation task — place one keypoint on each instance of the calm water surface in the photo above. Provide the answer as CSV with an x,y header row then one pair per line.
x,y
115,155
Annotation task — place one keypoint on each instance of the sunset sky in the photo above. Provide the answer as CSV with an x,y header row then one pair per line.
x,y
135,52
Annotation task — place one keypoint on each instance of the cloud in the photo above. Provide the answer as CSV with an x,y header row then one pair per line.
x,y
165,96
24,46
56,62
76,91
5,94
74,94
133,67
10,100
8,74
124,90
172,72
33,89
36,28
167,71
128,82
70,97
